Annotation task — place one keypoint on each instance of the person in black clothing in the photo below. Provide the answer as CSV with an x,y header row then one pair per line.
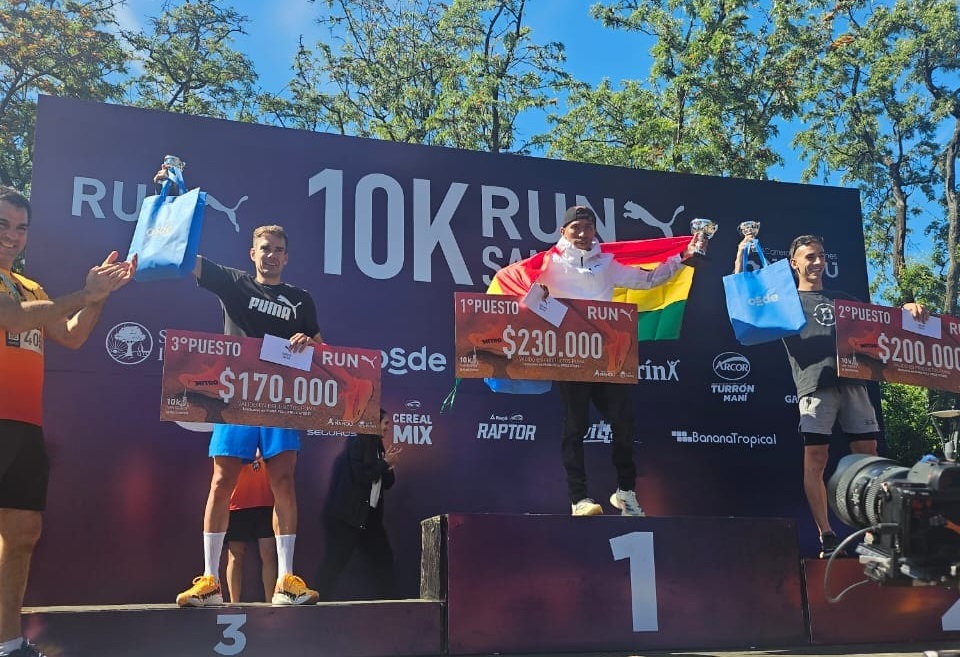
x,y
824,397
354,517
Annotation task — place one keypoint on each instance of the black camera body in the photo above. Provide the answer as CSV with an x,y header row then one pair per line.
x,y
910,517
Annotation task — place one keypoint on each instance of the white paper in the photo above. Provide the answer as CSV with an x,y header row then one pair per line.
x,y
545,306
931,328
277,350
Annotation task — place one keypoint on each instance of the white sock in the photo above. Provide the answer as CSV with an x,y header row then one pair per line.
x,y
8,647
285,545
212,549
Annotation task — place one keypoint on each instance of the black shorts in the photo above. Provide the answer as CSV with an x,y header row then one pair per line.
x,y
24,466
250,524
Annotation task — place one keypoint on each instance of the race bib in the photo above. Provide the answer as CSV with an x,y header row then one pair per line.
x,y
31,340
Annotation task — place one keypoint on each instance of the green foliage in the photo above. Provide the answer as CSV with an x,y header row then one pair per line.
x,y
876,95
907,429
722,81
55,47
190,66
423,71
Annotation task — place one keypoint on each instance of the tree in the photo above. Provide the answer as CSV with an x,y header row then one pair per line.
x,y
907,428
55,47
932,32
604,125
869,120
424,72
723,77
190,66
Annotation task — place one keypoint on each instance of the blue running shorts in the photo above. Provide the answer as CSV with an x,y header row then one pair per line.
x,y
242,441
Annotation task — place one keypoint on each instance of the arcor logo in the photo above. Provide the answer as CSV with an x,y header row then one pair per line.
x,y
770,297
731,366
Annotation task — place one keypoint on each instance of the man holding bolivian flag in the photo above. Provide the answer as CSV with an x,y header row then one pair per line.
x,y
648,273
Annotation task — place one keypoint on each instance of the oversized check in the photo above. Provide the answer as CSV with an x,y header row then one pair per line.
x,y
874,343
497,336
216,378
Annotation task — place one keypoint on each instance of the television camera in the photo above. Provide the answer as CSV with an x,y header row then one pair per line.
x,y
909,517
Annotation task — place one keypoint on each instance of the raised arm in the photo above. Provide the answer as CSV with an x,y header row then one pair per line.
x,y
741,248
636,278
72,329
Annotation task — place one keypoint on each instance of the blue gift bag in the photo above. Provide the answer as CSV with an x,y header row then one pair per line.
x,y
167,237
764,304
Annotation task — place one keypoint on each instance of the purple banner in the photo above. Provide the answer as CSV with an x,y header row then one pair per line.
x,y
382,234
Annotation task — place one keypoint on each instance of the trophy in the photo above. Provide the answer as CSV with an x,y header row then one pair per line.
x,y
750,230
172,161
702,230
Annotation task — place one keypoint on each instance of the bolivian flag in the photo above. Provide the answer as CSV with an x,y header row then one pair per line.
x,y
660,309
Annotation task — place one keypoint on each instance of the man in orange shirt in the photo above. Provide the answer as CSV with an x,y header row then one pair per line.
x,y
27,317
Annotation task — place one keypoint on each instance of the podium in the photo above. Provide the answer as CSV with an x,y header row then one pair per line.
x,y
544,583
526,584
872,613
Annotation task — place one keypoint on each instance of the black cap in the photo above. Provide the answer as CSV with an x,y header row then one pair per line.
x,y
578,212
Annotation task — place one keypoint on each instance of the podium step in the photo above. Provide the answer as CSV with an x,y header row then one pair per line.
x,y
395,628
872,613
545,584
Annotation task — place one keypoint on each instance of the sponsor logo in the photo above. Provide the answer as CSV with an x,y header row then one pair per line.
x,y
160,231
506,427
399,361
599,432
824,315
636,211
850,361
733,392
330,434
268,307
650,371
129,343
770,297
89,192
231,212
414,427
791,399
733,438
731,366
292,306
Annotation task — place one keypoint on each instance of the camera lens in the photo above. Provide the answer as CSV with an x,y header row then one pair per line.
x,y
855,490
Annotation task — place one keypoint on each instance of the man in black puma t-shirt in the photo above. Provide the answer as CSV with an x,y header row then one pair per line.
x,y
254,306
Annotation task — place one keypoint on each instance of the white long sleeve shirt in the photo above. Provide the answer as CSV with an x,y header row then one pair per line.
x,y
577,274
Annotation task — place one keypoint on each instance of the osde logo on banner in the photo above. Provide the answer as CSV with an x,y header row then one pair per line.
x,y
399,361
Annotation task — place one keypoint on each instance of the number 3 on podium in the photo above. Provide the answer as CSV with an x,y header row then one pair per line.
x,y
236,640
